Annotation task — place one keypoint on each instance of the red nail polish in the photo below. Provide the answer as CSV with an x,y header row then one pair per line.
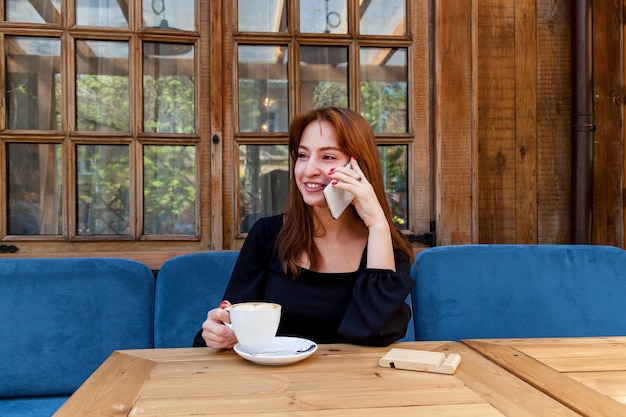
x,y
224,304
332,170
335,182
354,157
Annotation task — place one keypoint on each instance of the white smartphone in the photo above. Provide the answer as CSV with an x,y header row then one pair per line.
x,y
337,199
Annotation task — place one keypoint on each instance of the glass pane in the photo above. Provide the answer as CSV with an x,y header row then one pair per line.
x,y
263,89
169,14
266,16
168,88
169,194
394,161
34,189
103,189
263,182
323,16
383,17
33,87
102,97
102,13
324,76
33,11
384,94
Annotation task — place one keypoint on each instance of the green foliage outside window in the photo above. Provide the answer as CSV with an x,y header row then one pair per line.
x,y
102,103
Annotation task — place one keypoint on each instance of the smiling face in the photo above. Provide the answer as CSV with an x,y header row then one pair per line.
x,y
318,152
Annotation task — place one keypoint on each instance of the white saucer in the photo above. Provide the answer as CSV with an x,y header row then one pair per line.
x,y
280,358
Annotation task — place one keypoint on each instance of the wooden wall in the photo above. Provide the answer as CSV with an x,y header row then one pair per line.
x,y
503,121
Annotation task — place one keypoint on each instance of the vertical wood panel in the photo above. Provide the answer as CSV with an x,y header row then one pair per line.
x,y
420,180
211,81
554,120
526,121
496,123
229,148
608,79
453,121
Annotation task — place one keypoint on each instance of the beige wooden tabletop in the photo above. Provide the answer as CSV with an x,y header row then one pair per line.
x,y
339,379
587,374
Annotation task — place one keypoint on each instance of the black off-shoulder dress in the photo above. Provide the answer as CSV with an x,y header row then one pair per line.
x,y
365,307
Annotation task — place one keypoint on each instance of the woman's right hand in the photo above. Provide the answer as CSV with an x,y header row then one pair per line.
x,y
214,331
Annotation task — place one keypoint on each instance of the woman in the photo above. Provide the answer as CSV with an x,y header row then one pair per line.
x,y
338,280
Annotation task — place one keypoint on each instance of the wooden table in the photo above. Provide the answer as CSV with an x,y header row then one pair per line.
x,y
343,380
586,374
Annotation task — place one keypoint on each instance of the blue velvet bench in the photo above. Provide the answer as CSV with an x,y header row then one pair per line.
x,y
187,287
501,291
61,318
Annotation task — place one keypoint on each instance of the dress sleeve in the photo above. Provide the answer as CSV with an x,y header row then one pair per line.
x,y
378,314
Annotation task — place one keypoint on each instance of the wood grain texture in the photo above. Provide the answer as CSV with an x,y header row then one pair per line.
x,y
454,140
546,364
337,380
421,154
511,395
497,158
526,122
554,121
608,150
112,390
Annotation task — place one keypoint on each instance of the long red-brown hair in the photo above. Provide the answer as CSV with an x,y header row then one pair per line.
x,y
356,138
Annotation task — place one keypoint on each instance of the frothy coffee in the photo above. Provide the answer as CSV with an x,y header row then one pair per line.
x,y
255,306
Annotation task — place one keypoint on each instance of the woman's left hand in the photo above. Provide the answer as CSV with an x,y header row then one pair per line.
x,y
379,241
365,199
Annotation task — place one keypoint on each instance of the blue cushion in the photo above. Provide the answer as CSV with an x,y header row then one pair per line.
x,y
63,317
31,407
188,286
483,291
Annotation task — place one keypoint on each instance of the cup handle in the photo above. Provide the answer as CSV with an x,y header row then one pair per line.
x,y
229,325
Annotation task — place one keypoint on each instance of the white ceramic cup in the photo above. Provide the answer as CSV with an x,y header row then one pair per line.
x,y
255,323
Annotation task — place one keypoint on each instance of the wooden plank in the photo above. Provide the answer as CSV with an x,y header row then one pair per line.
x,y
289,398
452,410
211,153
610,347
568,342
229,122
112,390
580,398
586,365
554,121
454,142
608,85
420,156
526,121
496,121
609,383
153,259
510,395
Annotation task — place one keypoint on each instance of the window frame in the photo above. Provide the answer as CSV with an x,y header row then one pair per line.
x,y
135,244
216,138
418,141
